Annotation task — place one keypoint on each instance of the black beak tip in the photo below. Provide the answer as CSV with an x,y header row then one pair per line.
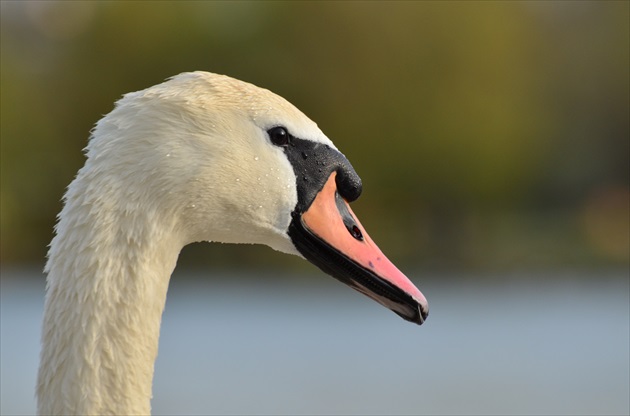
x,y
422,315
417,315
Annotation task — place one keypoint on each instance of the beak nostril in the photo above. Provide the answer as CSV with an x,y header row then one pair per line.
x,y
347,218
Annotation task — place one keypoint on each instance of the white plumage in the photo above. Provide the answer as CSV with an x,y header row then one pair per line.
x,y
187,160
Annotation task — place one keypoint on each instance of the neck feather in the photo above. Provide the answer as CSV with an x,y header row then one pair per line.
x,y
108,273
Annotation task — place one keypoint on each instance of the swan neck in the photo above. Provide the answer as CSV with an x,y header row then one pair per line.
x,y
108,274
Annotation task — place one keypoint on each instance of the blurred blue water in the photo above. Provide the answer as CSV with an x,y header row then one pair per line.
x,y
542,344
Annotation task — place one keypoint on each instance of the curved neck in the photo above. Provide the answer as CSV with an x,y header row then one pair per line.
x,y
108,275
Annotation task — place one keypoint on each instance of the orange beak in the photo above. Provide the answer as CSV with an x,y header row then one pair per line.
x,y
329,235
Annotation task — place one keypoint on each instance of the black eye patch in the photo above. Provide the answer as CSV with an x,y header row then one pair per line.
x,y
313,163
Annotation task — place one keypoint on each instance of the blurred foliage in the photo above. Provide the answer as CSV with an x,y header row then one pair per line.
x,y
487,134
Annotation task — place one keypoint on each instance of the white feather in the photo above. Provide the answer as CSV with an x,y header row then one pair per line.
x,y
187,160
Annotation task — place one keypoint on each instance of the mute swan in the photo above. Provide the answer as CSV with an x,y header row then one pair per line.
x,y
200,157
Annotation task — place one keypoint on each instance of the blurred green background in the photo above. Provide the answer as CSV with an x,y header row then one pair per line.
x,y
489,135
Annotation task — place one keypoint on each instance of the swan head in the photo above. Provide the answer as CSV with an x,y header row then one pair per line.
x,y
222,160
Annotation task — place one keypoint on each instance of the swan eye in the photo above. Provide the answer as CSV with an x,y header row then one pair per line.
x,y
279,136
